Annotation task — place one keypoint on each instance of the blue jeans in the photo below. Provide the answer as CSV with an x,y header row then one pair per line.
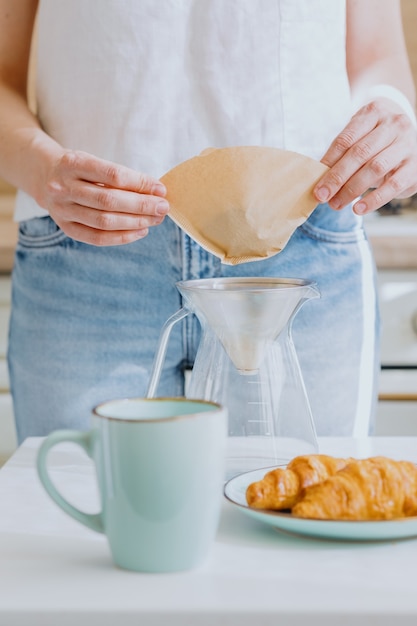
x,y
85,320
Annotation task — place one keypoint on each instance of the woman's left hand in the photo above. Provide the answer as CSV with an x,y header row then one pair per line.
x,y
376,151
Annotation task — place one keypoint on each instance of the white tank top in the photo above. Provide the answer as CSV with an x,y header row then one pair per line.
x,y
150,83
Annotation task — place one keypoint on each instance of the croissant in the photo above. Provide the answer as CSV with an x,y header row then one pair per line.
x,y
282,488
377,488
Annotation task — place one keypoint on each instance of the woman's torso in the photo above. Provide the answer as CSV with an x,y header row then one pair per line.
x,y
150,84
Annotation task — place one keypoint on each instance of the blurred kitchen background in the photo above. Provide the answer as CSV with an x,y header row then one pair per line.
x,y
393,235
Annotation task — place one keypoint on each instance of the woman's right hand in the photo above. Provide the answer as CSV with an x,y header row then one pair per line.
x,y
99,202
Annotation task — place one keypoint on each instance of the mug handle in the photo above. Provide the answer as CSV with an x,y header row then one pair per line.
x,y
85,441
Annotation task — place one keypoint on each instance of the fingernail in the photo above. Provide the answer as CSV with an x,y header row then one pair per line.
x,y
159,189
162,207
322,193
360,207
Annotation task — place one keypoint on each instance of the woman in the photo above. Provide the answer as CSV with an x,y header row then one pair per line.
x,y
128,89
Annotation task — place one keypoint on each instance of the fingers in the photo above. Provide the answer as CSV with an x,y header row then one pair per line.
x,y
368,149
394,186
86,167
104,227
361,124
107,220
352,176
102,203
111,200
95,237
377,149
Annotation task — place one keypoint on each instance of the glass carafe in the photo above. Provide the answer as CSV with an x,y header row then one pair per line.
x,y
246,361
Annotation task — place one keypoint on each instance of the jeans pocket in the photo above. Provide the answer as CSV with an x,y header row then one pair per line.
x,y
40,232
312,231
337,227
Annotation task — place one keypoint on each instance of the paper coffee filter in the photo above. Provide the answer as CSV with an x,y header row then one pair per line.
x,y
242,203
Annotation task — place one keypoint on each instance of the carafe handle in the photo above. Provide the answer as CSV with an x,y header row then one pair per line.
x,y
162,348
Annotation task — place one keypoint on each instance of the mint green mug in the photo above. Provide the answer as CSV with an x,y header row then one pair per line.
x,y
160,465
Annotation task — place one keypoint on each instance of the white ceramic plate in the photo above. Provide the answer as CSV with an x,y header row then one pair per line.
x,y
235,490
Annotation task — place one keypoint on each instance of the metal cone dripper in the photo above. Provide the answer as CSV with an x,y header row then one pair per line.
x,y
247,315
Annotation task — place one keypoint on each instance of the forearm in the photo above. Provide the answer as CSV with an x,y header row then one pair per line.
x,y
375,49
399,96
26,149
382,81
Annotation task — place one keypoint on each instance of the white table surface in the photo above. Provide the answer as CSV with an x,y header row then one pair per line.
x,y
55,572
